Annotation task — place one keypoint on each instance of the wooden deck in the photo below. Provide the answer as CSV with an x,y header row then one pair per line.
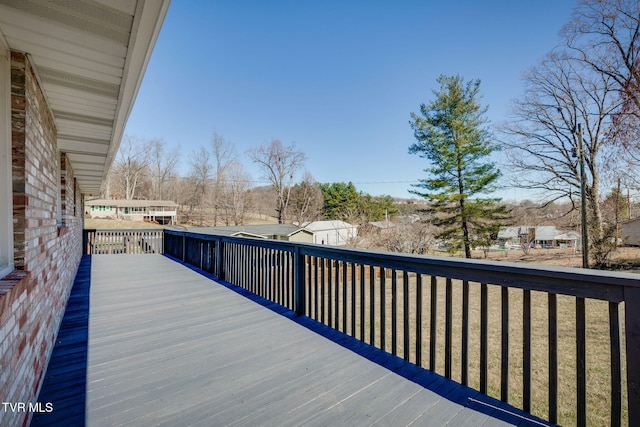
x,y
169,346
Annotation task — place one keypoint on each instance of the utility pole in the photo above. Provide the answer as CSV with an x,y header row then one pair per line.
x,y
583,200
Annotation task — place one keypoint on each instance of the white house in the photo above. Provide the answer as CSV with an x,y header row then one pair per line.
x,y
160,211
544,235
336,233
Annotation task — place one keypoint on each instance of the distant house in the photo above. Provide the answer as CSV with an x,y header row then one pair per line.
x,y
543,235
630,232
160,211
337,233
287,232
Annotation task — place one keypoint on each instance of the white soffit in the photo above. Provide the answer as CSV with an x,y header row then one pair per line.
x,y
90,57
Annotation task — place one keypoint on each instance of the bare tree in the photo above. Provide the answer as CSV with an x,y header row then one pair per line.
x,y
236,197
605,35
542,143
223,156
200,176
132,164
162,168
306,200
417,238
279,164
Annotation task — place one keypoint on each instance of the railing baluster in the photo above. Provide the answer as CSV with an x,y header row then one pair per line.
x,y
632,332
323,296
299,283
309,281
322,289
353,300
418,319
616,364
526,350
345,267
504,343
433,326
362,302
394,312
448,335
336,295
553,358
315,288
405,314
383,314
581,366
464,375
372,305
484,337
330,292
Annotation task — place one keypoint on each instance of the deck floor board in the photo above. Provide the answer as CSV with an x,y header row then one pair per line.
x,y
169,346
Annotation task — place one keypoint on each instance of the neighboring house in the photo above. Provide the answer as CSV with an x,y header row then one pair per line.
x,y
543,235
337,233
290,233
67,85
160,211
630,232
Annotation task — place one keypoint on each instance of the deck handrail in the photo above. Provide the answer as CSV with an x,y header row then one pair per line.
x,y
347,289
125,241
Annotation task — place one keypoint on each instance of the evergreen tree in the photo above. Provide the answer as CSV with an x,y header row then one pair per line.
x,y
340,201
451,135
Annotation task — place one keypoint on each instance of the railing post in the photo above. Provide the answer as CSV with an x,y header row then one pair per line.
x,y
632,331
298,282
220,260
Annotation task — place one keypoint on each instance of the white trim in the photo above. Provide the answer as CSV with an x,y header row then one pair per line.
x,y
6,195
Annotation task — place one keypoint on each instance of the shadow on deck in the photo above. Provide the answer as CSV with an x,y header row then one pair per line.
x,y
154,357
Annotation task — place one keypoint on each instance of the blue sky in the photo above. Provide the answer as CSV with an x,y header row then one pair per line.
x,y
337,78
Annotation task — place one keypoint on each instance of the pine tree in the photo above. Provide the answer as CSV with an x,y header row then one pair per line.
x,y
451,135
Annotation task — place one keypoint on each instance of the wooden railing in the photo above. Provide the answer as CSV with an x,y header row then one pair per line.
x,y
561,343
135,241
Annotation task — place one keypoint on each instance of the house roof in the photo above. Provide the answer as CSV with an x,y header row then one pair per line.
x,y
131,203
547,232
89,58
260,230
328,225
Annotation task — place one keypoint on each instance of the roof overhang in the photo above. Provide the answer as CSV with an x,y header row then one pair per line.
x,y
90,57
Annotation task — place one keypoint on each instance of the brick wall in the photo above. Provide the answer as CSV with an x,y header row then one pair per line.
x,y
33,298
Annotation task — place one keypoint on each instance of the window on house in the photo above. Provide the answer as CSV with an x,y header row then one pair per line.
x,y
6,196
59,199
